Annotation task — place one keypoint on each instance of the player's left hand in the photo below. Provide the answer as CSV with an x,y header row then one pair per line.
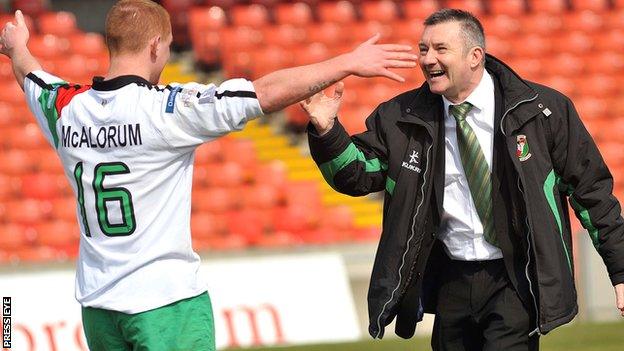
x,y
370,59
14,35
619,297
322,109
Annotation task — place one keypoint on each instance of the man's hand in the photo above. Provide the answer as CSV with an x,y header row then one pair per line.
x,y
371,60
619,297
322,109
14,35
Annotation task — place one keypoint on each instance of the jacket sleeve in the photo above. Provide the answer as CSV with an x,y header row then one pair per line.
x,y
590,187
354,165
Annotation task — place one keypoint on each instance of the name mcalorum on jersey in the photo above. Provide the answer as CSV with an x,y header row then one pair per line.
x,y
102,137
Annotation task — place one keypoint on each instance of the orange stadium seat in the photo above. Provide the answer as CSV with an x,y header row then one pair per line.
x,y
270,59
260,196
9,187
57,234
314,52
60,23
565,85
408,31
611,40
278,239
611,62
272,173
473,6
337,217
294,219
204,25
303,193
64,208
42,186
214,200
575,42
7,118
298,13
11,92
16,162
250,224
501,48
239,39
382,11
25,211
47,46
599,84
284,35
228,174
26,137
210,152
353,118
508,7
541,23
337,11
254,15
361,31
13,236
206,225
242,151
73,69
419,9
548,6
595,5
502,26
586,21
87,44
328,33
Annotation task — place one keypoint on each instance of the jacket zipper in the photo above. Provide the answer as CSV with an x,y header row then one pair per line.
x,y
422,199
528,233
526,270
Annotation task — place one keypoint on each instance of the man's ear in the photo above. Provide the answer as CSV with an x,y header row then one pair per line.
x,y
477,56
154,45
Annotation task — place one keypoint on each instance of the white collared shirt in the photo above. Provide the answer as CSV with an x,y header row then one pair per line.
x,y
461,229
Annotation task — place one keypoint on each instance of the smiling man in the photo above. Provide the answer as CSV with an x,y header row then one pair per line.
x,y
477,165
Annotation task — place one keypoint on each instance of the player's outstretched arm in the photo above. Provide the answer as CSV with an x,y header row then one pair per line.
x,y
13,42
287,86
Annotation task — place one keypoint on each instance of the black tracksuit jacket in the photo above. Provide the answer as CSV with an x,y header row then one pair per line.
x,y
543,158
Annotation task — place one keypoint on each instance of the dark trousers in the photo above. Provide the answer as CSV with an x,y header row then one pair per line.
x,y
479,309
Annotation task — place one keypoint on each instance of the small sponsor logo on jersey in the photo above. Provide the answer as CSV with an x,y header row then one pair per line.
x,y
414,162
208,95
187,96
171,99
522,151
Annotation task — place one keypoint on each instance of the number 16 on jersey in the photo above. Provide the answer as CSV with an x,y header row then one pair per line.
x,y
105,195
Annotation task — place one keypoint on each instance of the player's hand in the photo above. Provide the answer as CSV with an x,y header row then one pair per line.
x,y
372,60
14,35
619,297
322,109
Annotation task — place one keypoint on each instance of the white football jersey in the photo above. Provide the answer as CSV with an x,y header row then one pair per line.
x,y
127,148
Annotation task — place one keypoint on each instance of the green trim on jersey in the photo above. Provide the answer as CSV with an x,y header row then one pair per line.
x,y
350,154
47,100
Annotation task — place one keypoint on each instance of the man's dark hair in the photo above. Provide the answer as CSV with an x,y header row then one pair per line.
x,y
471,27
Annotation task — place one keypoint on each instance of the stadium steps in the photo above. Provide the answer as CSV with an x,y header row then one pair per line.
x,y
272,146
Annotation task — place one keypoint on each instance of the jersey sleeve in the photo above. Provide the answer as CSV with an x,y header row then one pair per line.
x,y
194,113
41,92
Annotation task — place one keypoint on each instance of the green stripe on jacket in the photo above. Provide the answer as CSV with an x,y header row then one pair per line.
x,y
350,154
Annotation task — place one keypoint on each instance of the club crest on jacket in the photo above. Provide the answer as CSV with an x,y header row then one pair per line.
x,y
522,151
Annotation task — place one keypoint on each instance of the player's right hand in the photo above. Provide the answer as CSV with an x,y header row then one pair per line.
x,y
14,35
322,109
370,59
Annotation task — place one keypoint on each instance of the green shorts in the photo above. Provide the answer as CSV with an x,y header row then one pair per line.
x,y
185,325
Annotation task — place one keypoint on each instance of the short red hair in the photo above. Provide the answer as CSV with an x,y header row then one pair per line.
x,y
130,24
